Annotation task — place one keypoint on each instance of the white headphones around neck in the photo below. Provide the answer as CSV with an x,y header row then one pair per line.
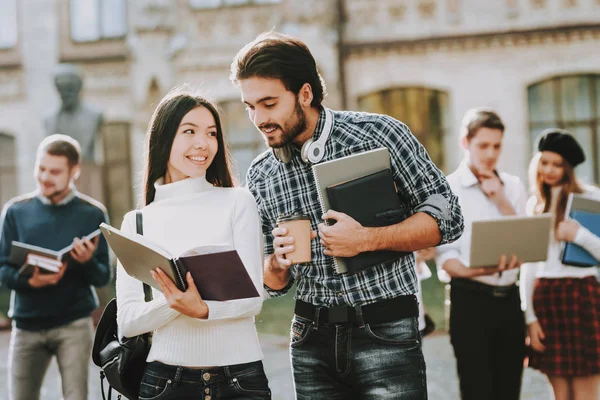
x,y
312,150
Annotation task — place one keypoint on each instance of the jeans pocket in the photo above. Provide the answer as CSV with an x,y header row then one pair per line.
x,y
154,387
253,384
403,332
300,330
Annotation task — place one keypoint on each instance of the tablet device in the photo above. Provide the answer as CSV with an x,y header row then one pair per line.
x,y
526,237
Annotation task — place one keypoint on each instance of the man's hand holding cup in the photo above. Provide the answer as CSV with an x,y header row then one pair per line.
x,y
292,238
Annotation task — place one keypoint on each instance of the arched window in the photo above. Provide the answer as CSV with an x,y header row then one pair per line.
x,y
423,110
572,103
8,168
244,140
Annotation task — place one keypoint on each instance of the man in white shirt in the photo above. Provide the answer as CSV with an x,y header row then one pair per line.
x,y
487,327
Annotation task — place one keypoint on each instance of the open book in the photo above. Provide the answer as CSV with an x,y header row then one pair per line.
x,y
47,260
217,270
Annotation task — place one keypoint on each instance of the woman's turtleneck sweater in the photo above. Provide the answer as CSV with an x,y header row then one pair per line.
x,y
553,268
184,215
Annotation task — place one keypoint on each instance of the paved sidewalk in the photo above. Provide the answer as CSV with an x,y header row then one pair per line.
x,y
441,374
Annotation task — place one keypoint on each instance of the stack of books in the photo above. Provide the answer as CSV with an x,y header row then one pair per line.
x,y
49,261
586,211
362,186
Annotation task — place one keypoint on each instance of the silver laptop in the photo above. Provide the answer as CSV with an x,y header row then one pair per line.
x,y
526,237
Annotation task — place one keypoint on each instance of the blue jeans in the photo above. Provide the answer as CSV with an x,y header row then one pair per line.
x,y
346,361
233,382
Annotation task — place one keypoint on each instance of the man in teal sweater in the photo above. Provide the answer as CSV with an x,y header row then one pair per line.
x,y
51,312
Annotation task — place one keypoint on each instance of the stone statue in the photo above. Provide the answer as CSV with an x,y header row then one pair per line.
x,y
74,118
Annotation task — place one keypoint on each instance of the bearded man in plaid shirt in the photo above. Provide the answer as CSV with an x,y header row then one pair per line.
x,y
353,335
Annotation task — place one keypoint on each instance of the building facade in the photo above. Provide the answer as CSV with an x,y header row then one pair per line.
x,y
424,62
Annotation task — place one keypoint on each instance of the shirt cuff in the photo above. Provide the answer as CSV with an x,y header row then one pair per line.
x,y
271,293
530,317
437,206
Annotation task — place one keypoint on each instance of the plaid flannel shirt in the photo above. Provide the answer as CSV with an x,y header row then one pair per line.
x,y
280,188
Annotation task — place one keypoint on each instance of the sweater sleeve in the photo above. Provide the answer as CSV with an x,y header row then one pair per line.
x,y
588,241
96,271
134,315
247,237
9,273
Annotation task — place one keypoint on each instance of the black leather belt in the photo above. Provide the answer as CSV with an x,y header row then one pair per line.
x,y
474,286
375,313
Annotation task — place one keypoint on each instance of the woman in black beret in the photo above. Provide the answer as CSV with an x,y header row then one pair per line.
x,y
562,302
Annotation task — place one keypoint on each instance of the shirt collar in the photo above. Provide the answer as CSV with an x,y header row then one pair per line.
x,y
468,178
67,199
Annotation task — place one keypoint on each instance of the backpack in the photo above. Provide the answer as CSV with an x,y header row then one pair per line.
x,y
122,361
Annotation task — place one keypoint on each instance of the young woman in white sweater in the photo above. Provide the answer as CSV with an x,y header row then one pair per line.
x,y
200,349
562,302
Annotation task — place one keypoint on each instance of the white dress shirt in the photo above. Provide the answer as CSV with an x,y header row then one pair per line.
x,y
476,206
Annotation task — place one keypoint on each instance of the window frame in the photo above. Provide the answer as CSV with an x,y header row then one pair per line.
x,y
9,170
100,37
559,122
14,45
222,4
425,134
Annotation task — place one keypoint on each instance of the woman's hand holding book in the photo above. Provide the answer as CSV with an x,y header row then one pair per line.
x,y
188,303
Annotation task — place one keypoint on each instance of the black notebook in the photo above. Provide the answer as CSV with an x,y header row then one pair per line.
x,y
372,201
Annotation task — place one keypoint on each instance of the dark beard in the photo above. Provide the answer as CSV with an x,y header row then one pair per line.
x,y
289,133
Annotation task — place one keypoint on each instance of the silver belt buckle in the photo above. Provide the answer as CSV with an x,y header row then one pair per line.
x,y
499,291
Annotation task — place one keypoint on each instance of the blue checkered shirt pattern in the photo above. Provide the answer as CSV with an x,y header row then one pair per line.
x,y
281,189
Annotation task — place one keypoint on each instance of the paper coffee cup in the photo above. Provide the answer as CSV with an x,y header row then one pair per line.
x,y
298,226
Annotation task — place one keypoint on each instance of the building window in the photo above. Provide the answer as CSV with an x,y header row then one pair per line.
x,y
244,140
93,20
8,24
117,175
571,103
423,110
225,3
8,168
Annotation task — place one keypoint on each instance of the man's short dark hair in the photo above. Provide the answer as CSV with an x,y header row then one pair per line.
x,y
61,145
477,118
273,55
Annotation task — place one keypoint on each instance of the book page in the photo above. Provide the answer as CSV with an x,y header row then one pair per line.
x,y
207,249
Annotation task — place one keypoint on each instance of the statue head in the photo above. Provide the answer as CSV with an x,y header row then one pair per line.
x,y
68,81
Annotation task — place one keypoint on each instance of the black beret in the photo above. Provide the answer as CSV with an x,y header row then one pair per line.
x,y
561,142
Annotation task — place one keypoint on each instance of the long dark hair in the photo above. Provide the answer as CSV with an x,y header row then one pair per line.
x,y
161,133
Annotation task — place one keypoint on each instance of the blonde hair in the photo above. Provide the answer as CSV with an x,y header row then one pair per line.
x,y
543,193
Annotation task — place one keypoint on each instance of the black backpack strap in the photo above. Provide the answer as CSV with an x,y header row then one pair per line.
x,y
139,226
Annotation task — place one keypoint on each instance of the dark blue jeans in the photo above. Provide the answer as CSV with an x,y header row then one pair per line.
x,y
233,382
345,361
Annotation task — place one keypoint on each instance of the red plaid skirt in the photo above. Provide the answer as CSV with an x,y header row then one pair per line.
x,y
568,311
